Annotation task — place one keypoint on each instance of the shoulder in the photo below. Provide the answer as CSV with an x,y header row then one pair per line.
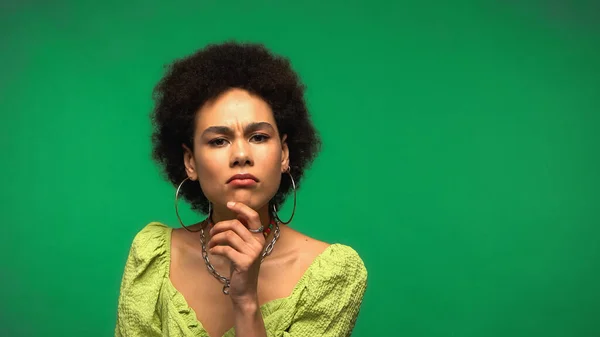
x,y
327,262
299,249
150,242
145,269
341,263
182,238
148,260
333,289
152,231
152,235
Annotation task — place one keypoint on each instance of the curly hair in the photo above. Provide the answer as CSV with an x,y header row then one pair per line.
x,y
192,81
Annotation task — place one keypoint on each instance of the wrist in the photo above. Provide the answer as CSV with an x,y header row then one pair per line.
x,y
246,305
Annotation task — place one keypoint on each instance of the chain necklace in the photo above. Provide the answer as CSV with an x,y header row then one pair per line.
x,y
223,279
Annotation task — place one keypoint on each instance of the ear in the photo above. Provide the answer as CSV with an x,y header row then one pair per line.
x,y
188,161
285,154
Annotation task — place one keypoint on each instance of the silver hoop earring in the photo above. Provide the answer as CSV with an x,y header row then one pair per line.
x,y
177,209
294,209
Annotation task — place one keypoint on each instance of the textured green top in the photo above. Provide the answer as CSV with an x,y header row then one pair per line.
x,y
325,302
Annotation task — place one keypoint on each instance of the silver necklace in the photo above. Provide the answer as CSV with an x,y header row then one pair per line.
x,y
227,282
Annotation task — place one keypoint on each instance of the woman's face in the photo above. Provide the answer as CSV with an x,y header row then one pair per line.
x,y
236,134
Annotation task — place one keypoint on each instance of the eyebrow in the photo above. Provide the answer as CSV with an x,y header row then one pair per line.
x,y
247,129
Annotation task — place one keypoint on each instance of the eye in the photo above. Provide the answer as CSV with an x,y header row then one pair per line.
x,y
259,138
217,142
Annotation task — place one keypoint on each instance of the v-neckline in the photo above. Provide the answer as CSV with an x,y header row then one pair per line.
x,y
263,307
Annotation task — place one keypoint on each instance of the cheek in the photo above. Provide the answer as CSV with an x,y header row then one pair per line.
x,y
210,167
272,169
270,158
210,173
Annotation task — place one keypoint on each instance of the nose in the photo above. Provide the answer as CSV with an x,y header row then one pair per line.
x,y
241,154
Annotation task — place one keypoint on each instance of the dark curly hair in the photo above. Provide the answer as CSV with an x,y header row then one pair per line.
x,y
192,81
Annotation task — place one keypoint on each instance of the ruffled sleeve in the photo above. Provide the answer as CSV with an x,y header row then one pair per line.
x,y
145,270
333,295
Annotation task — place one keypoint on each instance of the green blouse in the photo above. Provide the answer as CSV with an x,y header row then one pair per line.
x,y
325,302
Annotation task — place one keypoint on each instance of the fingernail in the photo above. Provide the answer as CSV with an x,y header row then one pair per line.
x,y
230,204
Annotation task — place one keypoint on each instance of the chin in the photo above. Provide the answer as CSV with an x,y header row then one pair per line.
x,y
247,199
250,198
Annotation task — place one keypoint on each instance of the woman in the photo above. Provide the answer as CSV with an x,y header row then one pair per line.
x,y
232,132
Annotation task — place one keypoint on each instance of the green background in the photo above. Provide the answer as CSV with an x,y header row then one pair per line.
x,y
460,154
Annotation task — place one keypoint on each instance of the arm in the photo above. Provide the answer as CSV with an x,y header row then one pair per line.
x,y
248,320
140,285
334,297
243,248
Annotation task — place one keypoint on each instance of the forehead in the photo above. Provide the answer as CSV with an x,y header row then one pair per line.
x,y
234,107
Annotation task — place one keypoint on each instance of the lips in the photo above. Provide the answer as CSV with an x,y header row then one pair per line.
x,y
245,176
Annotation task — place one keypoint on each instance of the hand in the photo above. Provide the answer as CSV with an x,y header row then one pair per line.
x,y
244,249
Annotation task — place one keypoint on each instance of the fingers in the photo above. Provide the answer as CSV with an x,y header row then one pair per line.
x,y
239,259
247,214
234,226
226,241
233,240
229,238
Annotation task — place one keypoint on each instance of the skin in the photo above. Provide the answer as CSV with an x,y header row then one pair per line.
x,y
236,133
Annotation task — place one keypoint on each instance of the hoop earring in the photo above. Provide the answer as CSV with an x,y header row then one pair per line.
x,y
294,209
177,210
